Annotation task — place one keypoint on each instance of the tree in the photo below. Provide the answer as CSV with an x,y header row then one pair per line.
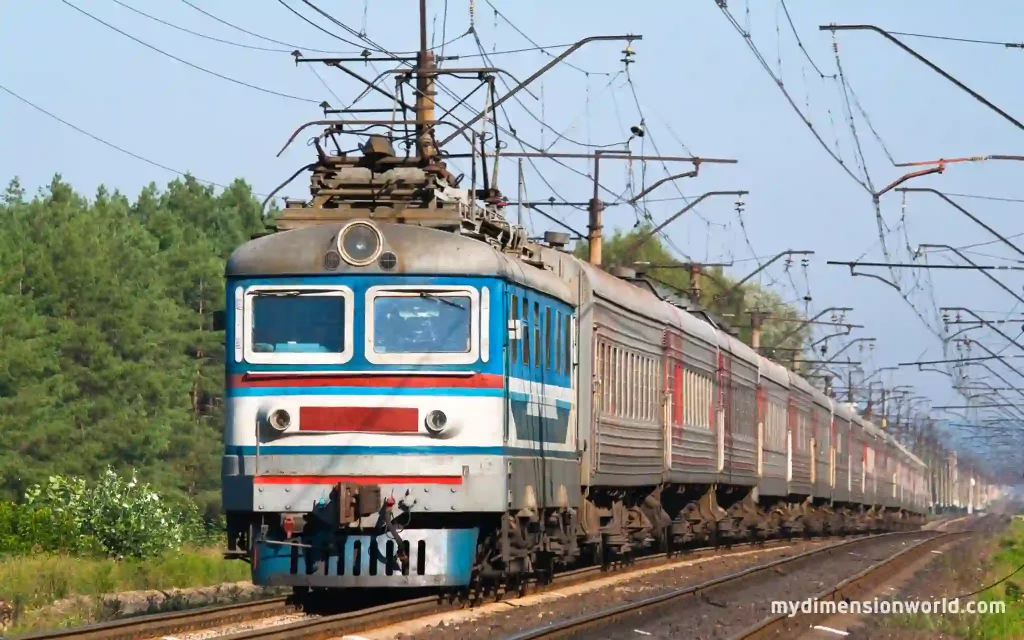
x,y
107,356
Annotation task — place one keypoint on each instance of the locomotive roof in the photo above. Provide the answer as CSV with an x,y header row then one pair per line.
x,y
419,250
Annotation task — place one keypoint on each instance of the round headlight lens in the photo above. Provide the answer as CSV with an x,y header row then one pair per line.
x,y
279,420
360,243
436,421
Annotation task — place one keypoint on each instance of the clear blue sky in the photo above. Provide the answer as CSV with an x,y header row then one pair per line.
x,y
696,81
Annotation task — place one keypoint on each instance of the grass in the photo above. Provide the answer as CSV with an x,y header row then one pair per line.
x,y
32,584
1003,556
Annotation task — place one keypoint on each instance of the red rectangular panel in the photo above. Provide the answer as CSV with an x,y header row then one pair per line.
x,y
359,419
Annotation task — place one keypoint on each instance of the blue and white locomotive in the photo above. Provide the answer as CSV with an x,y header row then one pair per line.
x,y
370,370
417,395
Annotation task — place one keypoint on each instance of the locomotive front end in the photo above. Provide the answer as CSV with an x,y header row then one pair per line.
x,y
365,392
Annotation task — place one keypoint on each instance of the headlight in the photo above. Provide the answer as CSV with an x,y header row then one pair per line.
x,y
279,420
436,422
360,243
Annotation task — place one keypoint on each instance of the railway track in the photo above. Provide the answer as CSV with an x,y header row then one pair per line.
x,y
163,624
363,619
384,615
600,622
853,588
366,618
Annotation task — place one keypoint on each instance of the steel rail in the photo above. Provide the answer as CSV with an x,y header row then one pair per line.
x,y
851,588
576,626
164,624
355,622
159,625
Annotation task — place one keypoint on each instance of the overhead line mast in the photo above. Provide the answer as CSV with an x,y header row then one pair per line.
x,y
425,68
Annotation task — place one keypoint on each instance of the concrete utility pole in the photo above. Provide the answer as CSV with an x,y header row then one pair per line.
x,y
755,329
425,66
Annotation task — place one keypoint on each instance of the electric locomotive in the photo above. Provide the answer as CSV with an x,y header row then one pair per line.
x,y
379,432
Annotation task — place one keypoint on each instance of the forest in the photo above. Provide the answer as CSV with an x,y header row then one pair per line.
x,y
108,356
106,352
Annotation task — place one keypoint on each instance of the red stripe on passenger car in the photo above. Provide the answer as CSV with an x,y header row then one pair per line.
x,y
359,419
357,479
275,379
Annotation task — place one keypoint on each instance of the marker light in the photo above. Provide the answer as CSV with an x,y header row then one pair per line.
x,y
279,420
436,422
360,243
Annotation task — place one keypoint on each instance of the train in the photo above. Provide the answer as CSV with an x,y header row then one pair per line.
x,y
420,395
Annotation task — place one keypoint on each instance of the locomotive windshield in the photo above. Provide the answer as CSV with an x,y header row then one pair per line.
x,y
298,322
422,322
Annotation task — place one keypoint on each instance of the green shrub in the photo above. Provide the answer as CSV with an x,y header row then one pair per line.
x,y
121,517
28,529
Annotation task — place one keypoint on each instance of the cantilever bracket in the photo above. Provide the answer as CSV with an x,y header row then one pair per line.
x,y
921,367
537,74
931,65
853,272
910,176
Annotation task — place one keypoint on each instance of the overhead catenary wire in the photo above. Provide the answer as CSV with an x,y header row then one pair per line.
x,y
358,34
867,120
107,143
520,50
328,87
316,26
647,133
522,144
800,43
745,34
196,33
559,135
984,197
778,82
444,27
928,63
1007,45
262,37
843,87
537,45
190,64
